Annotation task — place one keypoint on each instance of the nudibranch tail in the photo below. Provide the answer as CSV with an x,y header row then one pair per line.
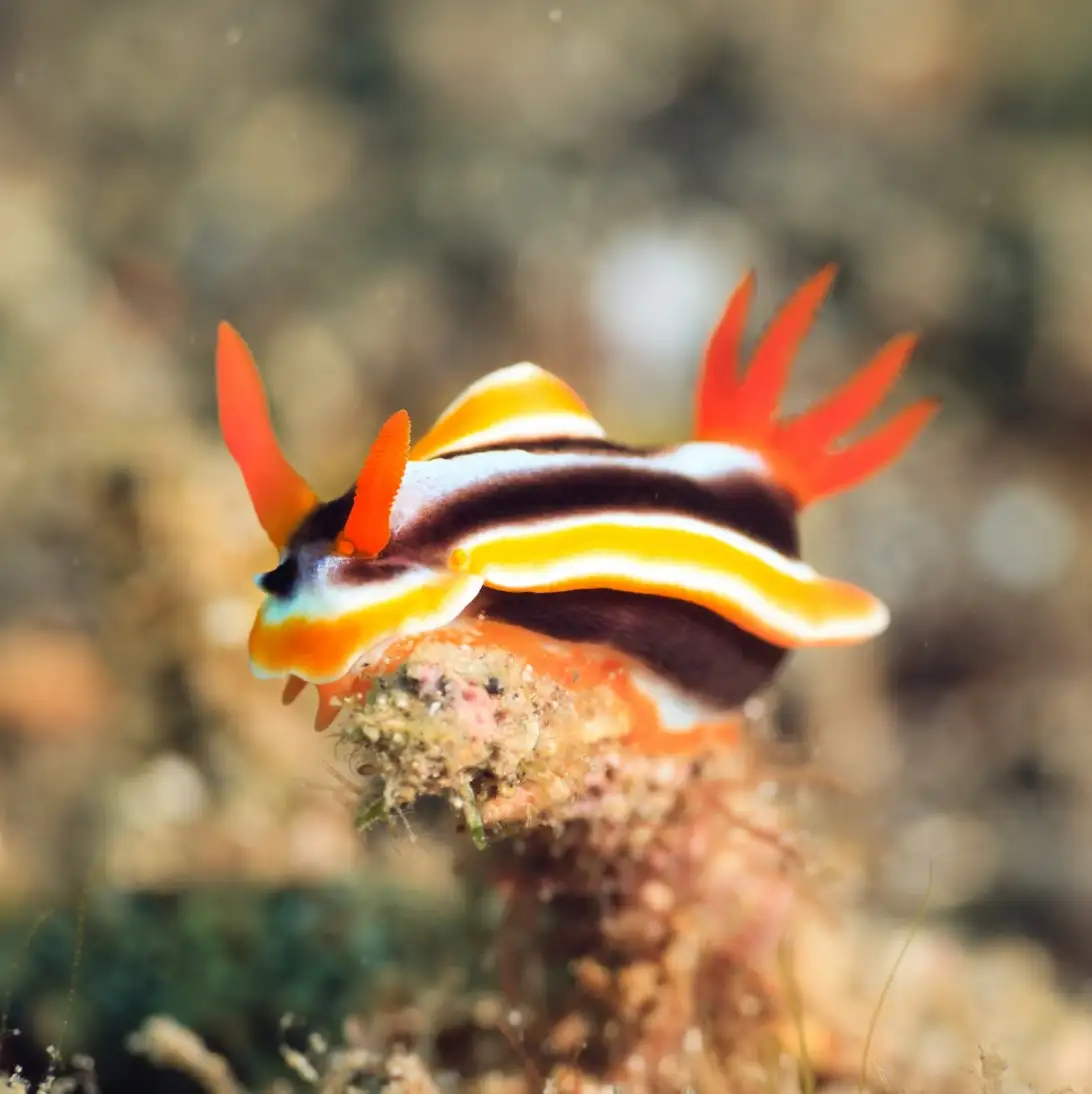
x,y
280,496
368,529
742,410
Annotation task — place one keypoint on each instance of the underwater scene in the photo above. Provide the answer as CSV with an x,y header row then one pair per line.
x,y
544,546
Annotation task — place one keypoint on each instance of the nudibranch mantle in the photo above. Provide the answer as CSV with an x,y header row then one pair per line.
x,y
516,510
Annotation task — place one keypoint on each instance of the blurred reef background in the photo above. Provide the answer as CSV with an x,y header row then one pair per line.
x,y
389,199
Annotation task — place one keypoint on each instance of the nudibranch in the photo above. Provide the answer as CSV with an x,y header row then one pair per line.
x,y
677,565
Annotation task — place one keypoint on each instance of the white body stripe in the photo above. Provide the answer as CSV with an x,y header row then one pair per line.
x,y
528,427
323,598
687,577
705,460
693,526
600,567
319,597
677,711
540,414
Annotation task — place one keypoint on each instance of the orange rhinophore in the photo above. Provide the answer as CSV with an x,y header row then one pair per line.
x,y
281,497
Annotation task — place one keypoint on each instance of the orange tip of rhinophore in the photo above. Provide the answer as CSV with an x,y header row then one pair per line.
x,y
280,497
719,381
368,529
760,391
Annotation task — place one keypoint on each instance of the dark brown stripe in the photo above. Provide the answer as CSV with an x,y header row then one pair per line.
x,y
368,571
283,581
742,502
690,646
326,520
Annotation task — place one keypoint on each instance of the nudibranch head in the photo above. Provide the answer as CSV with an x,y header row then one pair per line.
x,y
332,597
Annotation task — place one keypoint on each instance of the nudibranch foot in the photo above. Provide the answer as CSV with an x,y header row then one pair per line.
x,y
648,716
